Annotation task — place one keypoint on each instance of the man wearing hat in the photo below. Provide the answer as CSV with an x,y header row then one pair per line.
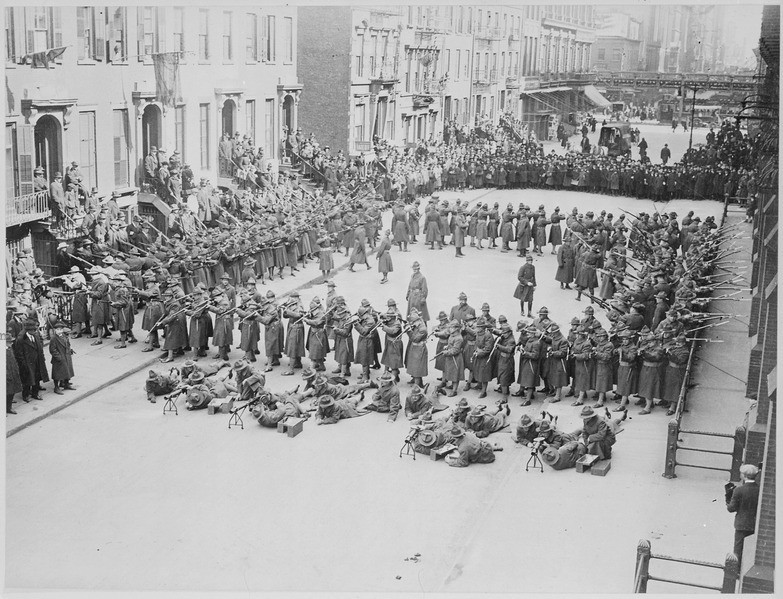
x,y
530,346
416,356
159,384
174,323
604,366
39,181
676,352
153,311
584,366
483,424
387,398
391,324
223,330
28,349
453,359
331,411
503,352
277,407
417,293
366,354
317,341
555,364
527,430
526,286
57,199
469,449
123,310
595,434
294,311
482,363
100,314
74,282
342,325
462,310
417,403
62,362
13,380
269,316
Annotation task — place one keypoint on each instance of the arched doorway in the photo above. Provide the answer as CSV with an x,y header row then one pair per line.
x,y
288,113
48,145
150,128
228,118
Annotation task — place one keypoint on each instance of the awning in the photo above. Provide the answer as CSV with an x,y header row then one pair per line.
x,y
594,96
548,90
704,94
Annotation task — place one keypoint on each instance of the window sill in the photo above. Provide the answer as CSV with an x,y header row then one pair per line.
x,y
251,61
87,61
120,62
204,61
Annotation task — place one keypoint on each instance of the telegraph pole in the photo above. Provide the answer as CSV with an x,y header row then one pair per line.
x,y
693,112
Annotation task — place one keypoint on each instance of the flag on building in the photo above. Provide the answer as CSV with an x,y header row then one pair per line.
x,y
44,57
167,86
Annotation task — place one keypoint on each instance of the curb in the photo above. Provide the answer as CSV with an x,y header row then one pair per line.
x,y
78,398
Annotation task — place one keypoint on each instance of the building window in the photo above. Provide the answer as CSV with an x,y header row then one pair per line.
x,y
251,39
203,34
40,29
11,167
358,122
149,20
269,128
117,36
288,40
178,27
121,172
457,57
203,122
10,41
87,158
250,120
228,55
270,35
179,131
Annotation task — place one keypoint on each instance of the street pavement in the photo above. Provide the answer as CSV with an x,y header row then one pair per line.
x,y
112,494
655,134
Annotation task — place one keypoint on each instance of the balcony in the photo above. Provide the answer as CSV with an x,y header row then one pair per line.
x,y
485,76
491,34
385,72
512,82
27,208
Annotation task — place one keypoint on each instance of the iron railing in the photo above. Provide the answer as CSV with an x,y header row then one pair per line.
x,y
644,556
26,208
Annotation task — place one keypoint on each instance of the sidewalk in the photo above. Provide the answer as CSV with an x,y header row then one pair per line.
x,y
717,401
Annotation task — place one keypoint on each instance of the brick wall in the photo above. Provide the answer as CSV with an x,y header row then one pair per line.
x,y
324,68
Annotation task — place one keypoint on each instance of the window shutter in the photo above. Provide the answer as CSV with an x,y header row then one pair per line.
x,y
140,33
57,30
19,33
100,32
29,31
262,37
26,145
160,30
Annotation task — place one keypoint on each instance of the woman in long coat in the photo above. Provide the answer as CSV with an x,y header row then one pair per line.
x,y
383,256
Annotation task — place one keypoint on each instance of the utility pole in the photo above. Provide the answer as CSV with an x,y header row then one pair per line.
x,y
693,112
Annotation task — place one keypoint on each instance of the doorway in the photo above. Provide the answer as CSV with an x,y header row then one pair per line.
x,y
150,128
48,145
228,118
288,113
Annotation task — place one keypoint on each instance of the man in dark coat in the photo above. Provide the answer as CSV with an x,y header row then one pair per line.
x,y
28,349
526,286
62,363
13,382
744,501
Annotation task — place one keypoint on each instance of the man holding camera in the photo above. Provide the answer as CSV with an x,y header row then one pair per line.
x,y
744,501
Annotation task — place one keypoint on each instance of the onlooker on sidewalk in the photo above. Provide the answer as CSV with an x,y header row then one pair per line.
x,y
744,501
13,382
666,153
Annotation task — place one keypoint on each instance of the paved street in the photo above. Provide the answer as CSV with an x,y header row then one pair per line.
x,y
111,494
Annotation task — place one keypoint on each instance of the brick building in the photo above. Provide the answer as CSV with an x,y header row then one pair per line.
x,y
81,87
757,576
